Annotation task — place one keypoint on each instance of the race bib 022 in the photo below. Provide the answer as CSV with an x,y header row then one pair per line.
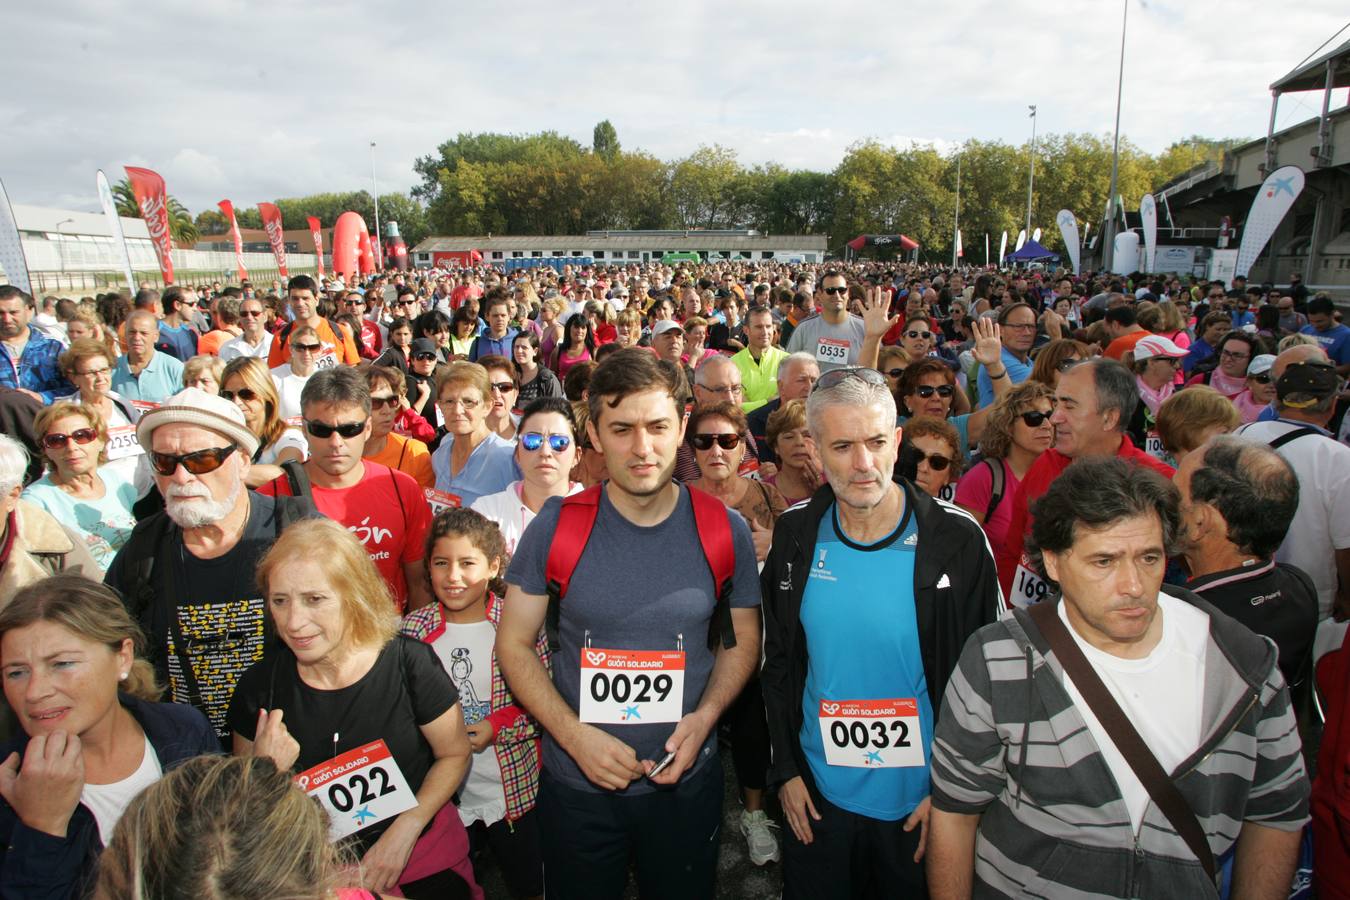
x,y
358,789
631,687
871,734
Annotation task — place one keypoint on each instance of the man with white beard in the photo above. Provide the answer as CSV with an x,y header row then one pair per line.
x,y
186,574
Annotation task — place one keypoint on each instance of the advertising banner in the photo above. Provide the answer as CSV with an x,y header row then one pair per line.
x,y
271,217
1278,193
11,247
153,202
105,198
227,209
1148,216
317,230
1068,229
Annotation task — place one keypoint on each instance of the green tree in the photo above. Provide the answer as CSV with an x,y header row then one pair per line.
x,y
605,141
211,221
703,188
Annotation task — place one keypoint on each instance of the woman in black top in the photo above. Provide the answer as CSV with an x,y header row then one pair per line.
x,y
535,380
343,682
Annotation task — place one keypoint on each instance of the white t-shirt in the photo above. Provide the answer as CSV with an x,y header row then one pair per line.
x,y
466,653
1162,695
509,511
237,347
1321,523
108,801
290,438
289,385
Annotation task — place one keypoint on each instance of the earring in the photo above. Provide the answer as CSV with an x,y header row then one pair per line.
x,y
123,676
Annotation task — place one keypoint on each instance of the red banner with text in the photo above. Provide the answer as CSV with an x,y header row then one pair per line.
x,y
153,202
227,209
271,217
317,230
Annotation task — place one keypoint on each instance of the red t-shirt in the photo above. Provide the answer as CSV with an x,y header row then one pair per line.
x,y
387,512
1036,482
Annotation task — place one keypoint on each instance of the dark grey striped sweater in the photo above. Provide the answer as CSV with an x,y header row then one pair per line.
x,y
1010,746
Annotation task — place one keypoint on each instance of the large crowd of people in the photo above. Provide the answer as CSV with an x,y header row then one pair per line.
x,y
993,583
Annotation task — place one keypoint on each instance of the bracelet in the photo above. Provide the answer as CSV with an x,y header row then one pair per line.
x,y
993,377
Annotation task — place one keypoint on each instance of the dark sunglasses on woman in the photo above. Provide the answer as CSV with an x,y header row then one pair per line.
x,y
927,390
248,395
1034,417
705,441
79,436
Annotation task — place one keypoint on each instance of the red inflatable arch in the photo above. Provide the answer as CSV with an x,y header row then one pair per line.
x,y
351,247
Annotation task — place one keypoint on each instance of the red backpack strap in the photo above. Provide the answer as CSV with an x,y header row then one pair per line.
x,y
575,522
713,521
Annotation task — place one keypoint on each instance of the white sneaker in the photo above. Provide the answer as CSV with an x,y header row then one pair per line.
x,y
759,837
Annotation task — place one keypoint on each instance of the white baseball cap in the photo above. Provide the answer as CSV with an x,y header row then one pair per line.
x,y
1155,346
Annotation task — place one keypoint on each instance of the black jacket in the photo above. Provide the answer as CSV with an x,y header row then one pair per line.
x,y
955,592
39,866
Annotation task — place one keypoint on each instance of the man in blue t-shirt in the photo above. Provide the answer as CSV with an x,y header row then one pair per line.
x,y
176,336
633,676
1334,338
870,591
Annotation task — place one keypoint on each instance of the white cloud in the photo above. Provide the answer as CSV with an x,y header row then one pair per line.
x,y
253,100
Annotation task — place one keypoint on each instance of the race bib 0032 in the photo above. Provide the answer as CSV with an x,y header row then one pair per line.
x,y
358,789
631,687
871,734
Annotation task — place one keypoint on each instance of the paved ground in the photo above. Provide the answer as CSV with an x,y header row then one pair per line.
x,y
737,879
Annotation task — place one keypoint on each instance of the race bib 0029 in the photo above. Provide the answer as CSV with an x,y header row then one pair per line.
x,y
833,351
631,687
871,734
358,789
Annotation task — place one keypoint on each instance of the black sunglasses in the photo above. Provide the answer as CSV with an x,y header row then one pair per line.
x,y
836,376
1263,378
895,373
837,290
936,461
927,390
503,387
915,335
199,462
423,357
382,402
1034,417
346,429
308,348
246,394
1065,365
705,441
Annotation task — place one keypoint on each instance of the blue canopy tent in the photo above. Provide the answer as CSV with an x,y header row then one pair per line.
x,y
1031,252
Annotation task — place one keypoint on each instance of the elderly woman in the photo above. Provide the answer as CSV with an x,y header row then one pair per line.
x,y
1188,419
546,452
97,503
93,734
1156,364
471,460
1016,433
342,681
934,447
715,434
799,471
505,395
89,367
205,372
696,348
39,545
247,384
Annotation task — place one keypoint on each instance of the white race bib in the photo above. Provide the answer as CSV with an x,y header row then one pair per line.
x,y
833,351
1028,588
327,361
145,405
122,442
358,789
440,501
631,687
1153,446
871,734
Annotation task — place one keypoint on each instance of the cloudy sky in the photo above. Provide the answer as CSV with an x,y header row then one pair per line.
x,y
253,100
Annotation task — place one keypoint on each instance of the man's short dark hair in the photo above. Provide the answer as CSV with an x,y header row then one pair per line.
x,y
628,372
831,273
1321,305
340,386
1095,493
146,298
1005,313
9,292
302,283
758,311
1122,315
1252,487
172,296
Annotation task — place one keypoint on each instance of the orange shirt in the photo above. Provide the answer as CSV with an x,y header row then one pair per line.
x,y
211,342
335,349
407,455
1124,344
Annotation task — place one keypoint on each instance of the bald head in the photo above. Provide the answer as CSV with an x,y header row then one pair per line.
x,y
1298,354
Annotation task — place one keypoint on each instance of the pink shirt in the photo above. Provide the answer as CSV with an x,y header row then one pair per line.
x,y
974,491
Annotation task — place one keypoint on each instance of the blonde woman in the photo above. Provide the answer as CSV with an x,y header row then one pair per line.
x,y
247,383
204,372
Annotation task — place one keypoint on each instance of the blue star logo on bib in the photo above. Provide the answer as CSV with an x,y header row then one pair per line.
x,y
631,712
873,758
362,814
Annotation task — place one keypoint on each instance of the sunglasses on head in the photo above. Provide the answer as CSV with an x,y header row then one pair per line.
x,y
79,436
936,461
198,462
927,390
1034,417
705,441
836,376
248,395
322,430
533,440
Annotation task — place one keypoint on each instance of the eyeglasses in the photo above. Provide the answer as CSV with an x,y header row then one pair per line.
x,y
533,440
58,440
198,462
94,373
837,290
915,335
306,348
248,395
730,389
936,461
927,390
1034,417
250,313
382,402
423,357
1171,361
1065,365
1224,354
705,441
836,376
323,431
503,387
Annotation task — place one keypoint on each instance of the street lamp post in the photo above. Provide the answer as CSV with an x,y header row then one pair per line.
x,y
1109,232
375,186
1031,175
